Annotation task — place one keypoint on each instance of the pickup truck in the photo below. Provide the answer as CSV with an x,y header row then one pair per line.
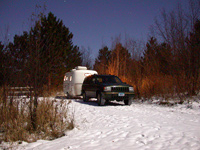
x,y
106,88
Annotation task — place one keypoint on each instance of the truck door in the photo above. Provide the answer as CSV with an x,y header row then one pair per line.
x,y
93,87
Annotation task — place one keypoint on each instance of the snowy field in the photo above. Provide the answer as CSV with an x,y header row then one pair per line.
x,y
136,127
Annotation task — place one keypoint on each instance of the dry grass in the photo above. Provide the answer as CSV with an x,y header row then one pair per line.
x,y
52,119
162,86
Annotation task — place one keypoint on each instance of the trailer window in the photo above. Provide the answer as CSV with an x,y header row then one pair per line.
x,y
65,78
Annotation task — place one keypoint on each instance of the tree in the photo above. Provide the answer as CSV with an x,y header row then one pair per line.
x,y
136,66
86,57
58,52
101,62
150,60
2,58
165,59
41,56
192,67
173,28
49,47
119,62
157,68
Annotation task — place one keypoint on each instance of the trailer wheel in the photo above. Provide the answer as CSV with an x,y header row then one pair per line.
x,y
85,98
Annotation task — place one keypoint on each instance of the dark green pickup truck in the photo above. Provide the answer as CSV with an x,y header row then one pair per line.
x,y
107,88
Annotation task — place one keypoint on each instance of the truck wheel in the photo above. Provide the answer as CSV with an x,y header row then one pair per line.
x,y
67,95
85,98
100,100
128,101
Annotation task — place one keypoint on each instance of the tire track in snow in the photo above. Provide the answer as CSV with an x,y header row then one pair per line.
x,y
138,126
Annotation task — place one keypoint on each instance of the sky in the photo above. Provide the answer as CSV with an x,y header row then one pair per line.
x,y
94,23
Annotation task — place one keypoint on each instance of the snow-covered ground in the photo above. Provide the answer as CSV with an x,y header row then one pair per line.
x,y
136,127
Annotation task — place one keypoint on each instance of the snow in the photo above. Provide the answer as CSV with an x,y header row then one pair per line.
x,y
136,127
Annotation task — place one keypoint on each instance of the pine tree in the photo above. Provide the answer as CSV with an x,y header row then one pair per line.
x,y
101,62
58,52
41,56
150,60
46,51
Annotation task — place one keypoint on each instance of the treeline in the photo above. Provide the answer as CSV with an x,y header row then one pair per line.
x,y
159,70
37,59
40,57
169,63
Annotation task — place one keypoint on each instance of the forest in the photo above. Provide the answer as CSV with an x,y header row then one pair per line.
x,y
167,64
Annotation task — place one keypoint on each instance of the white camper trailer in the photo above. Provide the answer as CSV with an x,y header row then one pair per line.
x,y
73,80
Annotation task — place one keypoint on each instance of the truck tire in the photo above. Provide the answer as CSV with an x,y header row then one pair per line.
x,y
68,96
85,98
128,101
100,100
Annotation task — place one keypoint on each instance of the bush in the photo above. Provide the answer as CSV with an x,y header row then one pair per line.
x,y
157,85
52,119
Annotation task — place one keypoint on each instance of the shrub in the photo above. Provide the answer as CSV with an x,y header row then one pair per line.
x,y
157,85
52,119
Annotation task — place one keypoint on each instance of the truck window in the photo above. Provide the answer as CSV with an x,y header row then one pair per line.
x,y
87,80
111,79
99,80
93,80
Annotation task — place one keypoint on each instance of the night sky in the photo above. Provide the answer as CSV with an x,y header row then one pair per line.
x,y
93,22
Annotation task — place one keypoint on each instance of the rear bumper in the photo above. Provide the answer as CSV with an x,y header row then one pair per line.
x,y
116,95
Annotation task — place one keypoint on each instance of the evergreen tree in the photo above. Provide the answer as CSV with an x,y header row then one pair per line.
x,y
40,58
158,58
150,60
45,53
101,62
58,54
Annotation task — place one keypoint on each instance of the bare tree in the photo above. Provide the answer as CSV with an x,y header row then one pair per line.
x,y
86,57
135,70
194,12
